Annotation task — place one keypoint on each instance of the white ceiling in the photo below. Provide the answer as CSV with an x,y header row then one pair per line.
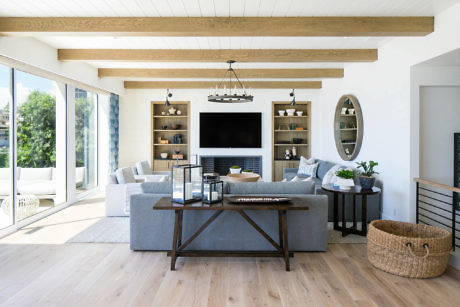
x,y
218,8
221,8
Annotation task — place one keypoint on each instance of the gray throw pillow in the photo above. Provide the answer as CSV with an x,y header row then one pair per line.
x,y
143,168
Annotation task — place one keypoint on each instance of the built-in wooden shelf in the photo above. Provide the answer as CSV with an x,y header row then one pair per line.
x,y
170,130
291,130
157,121
290,117
170,144
282,136
170,116
291,144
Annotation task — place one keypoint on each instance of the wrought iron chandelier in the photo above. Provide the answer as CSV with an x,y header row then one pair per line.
x,y
235,95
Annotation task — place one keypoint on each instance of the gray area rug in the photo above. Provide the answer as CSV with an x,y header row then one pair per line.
x,y
116,230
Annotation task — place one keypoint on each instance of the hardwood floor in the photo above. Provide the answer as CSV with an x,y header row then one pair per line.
x,y
37,268
111,274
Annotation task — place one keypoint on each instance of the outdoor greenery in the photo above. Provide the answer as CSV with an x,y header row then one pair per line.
x,y
368,169
345,174
36,132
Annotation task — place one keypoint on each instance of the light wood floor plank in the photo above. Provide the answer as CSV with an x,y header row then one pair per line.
x,y
37,268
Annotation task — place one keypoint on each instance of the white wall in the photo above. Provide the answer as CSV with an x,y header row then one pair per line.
x,y
38,54
439,117
135,122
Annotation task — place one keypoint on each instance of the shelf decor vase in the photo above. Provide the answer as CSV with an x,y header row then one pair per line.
x,y
235,170
366,183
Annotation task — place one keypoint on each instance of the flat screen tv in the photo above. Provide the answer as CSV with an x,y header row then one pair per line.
x,y
230,130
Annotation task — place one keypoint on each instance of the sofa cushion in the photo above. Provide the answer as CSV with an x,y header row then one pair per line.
x,y
300,187
157,187
125,175
37,187
323,167
5,187
5,173
143,168
38,173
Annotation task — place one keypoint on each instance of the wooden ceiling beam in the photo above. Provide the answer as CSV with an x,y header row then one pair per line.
x,y
219,73
212,84
219,55
221,26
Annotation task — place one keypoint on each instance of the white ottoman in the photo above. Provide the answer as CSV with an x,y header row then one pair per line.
x,y
27,206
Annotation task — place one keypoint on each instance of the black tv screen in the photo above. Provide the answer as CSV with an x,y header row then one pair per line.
x,y
230,130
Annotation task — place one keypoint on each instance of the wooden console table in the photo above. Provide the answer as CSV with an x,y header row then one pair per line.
x,y
281,249
356,190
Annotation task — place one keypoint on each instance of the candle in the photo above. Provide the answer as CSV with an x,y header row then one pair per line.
x,y
188,191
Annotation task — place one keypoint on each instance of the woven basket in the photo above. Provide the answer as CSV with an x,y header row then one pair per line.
x,y
408,250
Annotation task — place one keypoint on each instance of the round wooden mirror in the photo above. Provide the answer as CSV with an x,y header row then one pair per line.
x,y
348,127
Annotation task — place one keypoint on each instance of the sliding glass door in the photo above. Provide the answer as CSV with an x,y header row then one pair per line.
x,y
39,168
85,140
6,210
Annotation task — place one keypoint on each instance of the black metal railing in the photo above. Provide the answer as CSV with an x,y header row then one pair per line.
x,y
436,205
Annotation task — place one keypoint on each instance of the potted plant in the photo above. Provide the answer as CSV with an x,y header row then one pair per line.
x,y
247,171
235,169
345,178
366,178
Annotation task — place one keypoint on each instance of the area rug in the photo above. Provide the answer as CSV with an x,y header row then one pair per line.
x,y
116,230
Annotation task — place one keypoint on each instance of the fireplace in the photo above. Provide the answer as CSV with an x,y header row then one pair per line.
x,y
221,164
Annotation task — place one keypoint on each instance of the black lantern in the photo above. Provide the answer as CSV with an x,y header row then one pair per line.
x,y
213,189
187,183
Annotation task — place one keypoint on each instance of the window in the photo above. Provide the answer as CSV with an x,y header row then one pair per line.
x,y
6,211
85,140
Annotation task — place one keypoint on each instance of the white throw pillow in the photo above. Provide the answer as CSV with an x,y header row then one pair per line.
x,y
308,179
284,180
296,179
307,169
330,176
37,173
125,175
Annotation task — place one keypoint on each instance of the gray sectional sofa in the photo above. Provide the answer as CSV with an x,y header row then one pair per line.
x,y
373,201
152,229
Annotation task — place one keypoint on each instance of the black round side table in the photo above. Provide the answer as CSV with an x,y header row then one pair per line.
x,y
356,190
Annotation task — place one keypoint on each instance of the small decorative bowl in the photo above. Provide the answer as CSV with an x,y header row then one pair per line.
x,y
163,113
164,127
290,112
281,112
164,155
299,113
179,112
176,126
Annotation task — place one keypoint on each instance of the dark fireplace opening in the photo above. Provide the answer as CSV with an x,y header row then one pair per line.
x,y
221,164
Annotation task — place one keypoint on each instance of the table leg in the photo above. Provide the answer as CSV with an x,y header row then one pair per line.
x,y
344,224
364,216
174,244
280,228
354,211
285,239
179,235
336,211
